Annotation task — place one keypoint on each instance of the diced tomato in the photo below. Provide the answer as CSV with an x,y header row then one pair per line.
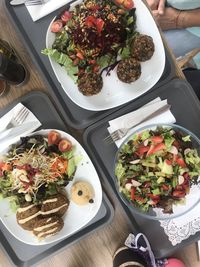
x,y
79,55
92,61
178,193
66,16
57,25
5,166
141,150
90,21
64,145
133,193
153,149
181,162
168,162
157,139
99,24
176,144
96,68
153,197
165,187
140,199
53,137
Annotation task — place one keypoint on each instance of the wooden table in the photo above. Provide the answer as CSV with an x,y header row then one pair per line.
x,y
97,249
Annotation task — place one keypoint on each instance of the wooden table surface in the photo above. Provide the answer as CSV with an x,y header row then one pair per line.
x,y
97,249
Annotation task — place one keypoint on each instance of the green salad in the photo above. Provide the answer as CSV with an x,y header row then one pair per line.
x,y
90,37
156,168
38,167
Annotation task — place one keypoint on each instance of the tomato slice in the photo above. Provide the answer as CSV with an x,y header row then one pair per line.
x,y
57,25
155,148
141,150
64,145
178,193
53,138
157,139
181,162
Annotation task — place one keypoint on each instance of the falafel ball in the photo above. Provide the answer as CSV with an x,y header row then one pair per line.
x,y
128,70
90,83
54,205
27,216
142,47
46,227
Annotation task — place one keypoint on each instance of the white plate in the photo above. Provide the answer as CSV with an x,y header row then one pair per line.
x,y
76,216
114,92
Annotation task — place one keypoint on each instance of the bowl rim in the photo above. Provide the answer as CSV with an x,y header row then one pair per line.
x,y
128,203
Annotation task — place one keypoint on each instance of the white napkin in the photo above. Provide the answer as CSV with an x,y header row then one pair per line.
x,y
182,227
135,116
14,135
39,11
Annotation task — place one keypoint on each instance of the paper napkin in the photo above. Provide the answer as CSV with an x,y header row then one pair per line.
x,y
134,117
14,135
39,11
182,227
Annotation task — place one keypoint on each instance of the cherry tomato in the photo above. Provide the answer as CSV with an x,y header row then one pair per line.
x,y
128,4
64,145
66,16
57,25
53,138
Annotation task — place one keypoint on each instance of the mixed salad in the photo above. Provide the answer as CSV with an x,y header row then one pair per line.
x,y
36,168
92,36
156,168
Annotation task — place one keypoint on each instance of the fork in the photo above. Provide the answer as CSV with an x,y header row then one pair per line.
x,y
28,2
120,133
18,118
35,2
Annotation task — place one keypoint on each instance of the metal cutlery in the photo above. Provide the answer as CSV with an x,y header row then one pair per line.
x,y
18,118
28,2
120,133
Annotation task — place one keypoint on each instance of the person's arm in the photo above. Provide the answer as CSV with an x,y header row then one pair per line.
x,y
188,18
177,19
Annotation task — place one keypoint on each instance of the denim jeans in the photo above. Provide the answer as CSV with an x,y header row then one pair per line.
x,y
181,41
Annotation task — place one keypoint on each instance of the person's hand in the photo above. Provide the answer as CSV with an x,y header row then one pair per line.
x,y
168,20
158,5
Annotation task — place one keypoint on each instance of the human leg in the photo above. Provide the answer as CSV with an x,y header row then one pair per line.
x,y
181,41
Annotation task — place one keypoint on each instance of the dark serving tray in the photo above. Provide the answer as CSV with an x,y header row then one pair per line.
x,y
44,110
33,35
186,108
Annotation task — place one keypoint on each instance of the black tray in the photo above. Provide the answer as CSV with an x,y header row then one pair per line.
x,y
33,35
43,109
186,109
